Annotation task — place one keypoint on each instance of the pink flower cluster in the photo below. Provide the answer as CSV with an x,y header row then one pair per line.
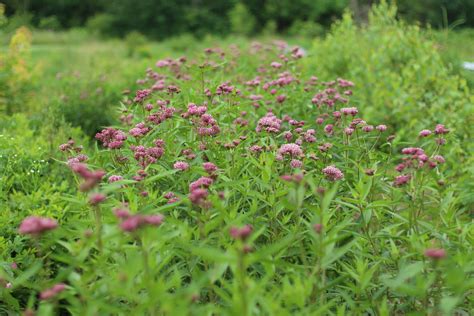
x,y
131,222
241,233
115,178
198,192
224,88
332,173
269,123
350,111
181,165
292,150
401,180
52,292
146,156
209,167
435,253
171,197
208,126
69,146
111,138
139,130
91,178
195,110
163,114
34,225
141,95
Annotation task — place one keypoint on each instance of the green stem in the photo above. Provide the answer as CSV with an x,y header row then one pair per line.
x,y
98,227
242,285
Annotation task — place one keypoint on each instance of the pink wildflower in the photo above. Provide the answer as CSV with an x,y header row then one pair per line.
x,y
114,178
181,165
425,133
332,173
295,163
401,180
97,198
435,253
34,225
241,233
52,292
209,167
350,111
440,129
381,128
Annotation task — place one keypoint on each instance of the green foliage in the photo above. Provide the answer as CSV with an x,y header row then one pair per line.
x,y
403,77
241,21
49,23
16,72
306,29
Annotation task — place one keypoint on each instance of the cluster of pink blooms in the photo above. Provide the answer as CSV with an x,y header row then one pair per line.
x,y
163,114
209,167
35,225
401,180
52,292
350,111
91,178
332,173
198,192
296,178
241,233
171,197
181,165
344,83
208,126
111,138
115,178
195,110
284,79
256,148
225,88
146,156
269,123
69,146
133,222
97,198
330,97
139,130
141,95
417,159
435,253
292,150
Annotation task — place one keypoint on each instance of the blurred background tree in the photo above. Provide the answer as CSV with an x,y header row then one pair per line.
x,y
159,19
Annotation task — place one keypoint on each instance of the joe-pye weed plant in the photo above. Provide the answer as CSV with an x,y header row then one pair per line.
x,y
238,183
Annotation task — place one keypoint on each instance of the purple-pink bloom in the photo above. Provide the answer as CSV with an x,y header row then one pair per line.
x,y
425,133
332,173
181,165
35,225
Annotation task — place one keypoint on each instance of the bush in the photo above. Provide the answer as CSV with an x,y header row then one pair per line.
x,y
403,76
17,72
49,23
241,20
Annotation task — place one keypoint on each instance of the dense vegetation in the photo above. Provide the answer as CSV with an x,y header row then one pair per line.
x,y
313,176
159,19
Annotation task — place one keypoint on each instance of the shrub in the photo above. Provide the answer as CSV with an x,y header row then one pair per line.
x,y
17,72
404,78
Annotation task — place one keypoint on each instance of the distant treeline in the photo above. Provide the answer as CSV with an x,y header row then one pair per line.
x,y
164,18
